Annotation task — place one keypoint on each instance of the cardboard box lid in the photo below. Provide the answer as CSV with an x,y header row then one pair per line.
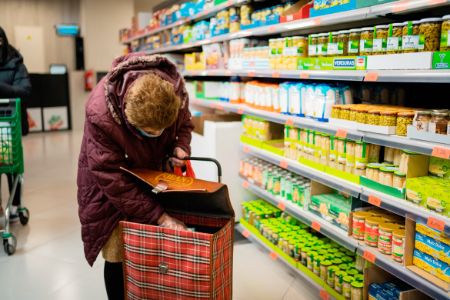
x,y
187,195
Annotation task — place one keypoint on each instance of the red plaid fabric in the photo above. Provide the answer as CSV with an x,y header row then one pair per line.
x,y
161,263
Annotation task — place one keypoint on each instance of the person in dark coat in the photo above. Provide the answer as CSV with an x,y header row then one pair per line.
x,y
136,117
14,83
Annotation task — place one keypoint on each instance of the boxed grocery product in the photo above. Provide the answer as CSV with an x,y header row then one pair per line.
x,y
299,10
430,192
435,248
426,230
431,265
208,90
439,167
322,7
214,56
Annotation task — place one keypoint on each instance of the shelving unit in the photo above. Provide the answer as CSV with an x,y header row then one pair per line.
x,y
341,237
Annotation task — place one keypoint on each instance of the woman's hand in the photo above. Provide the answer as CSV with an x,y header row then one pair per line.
x,y
179,154
168,222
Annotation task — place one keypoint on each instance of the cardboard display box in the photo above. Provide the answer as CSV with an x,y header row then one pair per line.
x,y
199,121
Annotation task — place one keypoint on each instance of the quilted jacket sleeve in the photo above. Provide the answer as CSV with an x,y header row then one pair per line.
x,y
185,127
104,161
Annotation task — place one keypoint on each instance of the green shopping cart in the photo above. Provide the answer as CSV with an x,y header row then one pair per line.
x,y
11,164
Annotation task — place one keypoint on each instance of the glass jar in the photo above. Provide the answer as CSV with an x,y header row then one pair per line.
x,y
403,120
366,41
354,38
347,287
422,120
385,237
429,34
399,180
322,44
361,155
398,245
445,29
371,232
350,156
394,40
336,111
410,36
300,43
358,224
388,118
341,153
380,39
332,48
312,45
373,171
343,38
345,113
389,155
353,112
357,290
361,115
373,117
387,176
438,123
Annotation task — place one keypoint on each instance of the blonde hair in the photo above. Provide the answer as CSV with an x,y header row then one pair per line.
x,y
151,102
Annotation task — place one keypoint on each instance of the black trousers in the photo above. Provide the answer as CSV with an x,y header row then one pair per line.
x,y
113,274
16,200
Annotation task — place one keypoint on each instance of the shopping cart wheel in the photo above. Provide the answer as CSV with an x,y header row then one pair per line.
x,y
24,216
10,244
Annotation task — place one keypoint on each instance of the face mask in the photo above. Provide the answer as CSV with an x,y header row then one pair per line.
x,y
148,135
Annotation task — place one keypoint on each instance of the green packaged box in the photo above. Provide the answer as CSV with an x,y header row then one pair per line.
x,y
430,192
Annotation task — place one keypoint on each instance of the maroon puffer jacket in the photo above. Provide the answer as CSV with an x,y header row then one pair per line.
x,y
107,195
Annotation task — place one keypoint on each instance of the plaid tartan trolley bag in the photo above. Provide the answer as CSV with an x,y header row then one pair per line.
x,y
161,263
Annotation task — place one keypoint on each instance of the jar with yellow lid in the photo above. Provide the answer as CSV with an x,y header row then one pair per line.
x,y
429,34
343,38
312,45
301,44
385,237
410,36
373,117
371,233
322,44
354,38
394,40
380,39
358,224
403,120
445,29
366,41
332,48
398,245
388,118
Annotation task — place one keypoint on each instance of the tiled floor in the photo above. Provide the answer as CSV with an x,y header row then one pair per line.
x,y
49,262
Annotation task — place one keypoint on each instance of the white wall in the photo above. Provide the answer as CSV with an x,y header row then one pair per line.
x,y
100,24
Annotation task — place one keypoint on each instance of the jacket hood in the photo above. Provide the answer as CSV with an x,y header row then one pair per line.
x,y
126,69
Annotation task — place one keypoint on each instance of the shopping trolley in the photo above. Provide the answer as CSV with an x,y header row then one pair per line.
x,y
162,263
11,163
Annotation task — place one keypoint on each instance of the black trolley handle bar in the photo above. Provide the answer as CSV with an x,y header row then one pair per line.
x,y
215,161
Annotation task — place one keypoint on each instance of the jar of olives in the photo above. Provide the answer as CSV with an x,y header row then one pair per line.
x,y
332,49
410,36
312,45
429,34
380,36
354,38
322,44
403,120
373,117
394,40
388,118
366,41
445,29
343,37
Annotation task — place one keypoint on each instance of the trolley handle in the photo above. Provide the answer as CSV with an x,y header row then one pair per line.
x,y
215,161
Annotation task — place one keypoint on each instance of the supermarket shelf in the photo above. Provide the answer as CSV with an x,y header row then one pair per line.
x,y
202,15
265,248
303,170
393,141
401,272
373,12
329,230
404,208
412,76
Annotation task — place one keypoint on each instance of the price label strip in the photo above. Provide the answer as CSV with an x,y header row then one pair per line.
x,y
284,164
324,295
246,233
290,122
341,133
316,226
282,206
273,255
371,77
374,200
369,256
245,184
441,152
436,224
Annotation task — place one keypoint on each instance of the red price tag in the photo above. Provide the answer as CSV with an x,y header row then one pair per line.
x,y
251,73
304,75
441,152
271,28
436,224
246,233
399,7
275,74
273,255
281,206
317,21
371,77
315,226
435,2
290,122
369,256
246,149
245,184
324,295
374,200
283,164
289,18
341,133
240,111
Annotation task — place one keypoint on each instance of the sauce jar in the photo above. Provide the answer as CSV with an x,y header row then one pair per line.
x,y
380,39
385,237
429,34
371,231
445,29
366,41
399,180
398,245
422,120
343,38
358,224
394,40
438,123
354,38
312,45
410,36
403,120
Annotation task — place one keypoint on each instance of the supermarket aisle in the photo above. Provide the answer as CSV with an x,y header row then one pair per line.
x,y
49,262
